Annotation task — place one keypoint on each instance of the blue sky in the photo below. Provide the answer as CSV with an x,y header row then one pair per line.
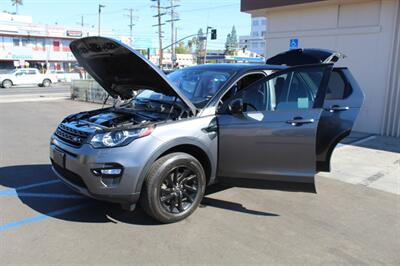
x,y
220,14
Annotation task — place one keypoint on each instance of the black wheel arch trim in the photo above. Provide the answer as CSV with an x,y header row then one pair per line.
x,y
173,146
325,166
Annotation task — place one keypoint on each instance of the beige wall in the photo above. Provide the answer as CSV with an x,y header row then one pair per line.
x,y
363,30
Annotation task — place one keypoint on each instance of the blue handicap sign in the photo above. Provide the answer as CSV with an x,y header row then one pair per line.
x,y
294,44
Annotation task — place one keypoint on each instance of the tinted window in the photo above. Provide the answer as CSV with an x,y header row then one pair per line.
x,y
255,98
337,88
199,85
294,90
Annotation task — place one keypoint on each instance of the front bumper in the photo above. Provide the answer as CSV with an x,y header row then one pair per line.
x,y
75,168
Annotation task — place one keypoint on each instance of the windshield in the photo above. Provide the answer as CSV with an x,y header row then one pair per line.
x,y
199,85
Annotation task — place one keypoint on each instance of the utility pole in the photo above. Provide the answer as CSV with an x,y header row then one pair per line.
x,y
100,7
173,18
159,25
131,18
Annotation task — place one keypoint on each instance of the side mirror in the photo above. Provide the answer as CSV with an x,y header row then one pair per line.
x,y
236,107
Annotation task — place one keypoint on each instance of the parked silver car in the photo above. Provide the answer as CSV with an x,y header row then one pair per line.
x,y
267,126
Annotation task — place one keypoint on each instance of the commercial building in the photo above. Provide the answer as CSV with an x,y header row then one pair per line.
x,y
24,43
255,42
367,31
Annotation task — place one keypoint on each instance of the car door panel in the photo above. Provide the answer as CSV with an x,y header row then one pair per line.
x,y
271,146
338,117
276,144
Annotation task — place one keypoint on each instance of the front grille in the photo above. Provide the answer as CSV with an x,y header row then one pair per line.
x,y
71,135
70,176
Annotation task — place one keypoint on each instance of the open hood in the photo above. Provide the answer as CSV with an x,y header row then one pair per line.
x,y
120,70
298,57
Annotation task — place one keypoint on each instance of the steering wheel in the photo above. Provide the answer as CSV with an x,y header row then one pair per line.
x,y
252,106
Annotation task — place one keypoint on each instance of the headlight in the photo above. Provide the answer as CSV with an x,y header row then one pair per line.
x,y
119,137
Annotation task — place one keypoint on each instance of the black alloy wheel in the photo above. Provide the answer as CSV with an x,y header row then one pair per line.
x,y
173,188
178,189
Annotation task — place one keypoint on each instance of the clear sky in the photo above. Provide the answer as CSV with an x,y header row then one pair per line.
x,y
220,14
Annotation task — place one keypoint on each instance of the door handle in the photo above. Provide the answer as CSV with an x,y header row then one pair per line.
x,y
297,121
337,108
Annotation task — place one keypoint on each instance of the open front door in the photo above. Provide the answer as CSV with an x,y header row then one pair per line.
x,y
267,131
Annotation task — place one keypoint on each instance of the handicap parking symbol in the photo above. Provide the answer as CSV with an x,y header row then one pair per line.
x,y
294,44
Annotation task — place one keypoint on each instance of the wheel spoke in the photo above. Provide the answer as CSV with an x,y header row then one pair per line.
x,y
167,197
180,206
190,199
187,179
172,205
191,189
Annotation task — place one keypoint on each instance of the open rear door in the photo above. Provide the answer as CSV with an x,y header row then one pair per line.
x,y
270,140
342,104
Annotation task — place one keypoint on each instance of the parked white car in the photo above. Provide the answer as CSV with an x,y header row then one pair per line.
x,y
26,76
64,76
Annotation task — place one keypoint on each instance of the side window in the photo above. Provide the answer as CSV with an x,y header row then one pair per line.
x,y
241,84
337,88
295,89
31,72
20,73
255,98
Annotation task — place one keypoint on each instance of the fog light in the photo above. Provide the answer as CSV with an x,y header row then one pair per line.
x,y
115,171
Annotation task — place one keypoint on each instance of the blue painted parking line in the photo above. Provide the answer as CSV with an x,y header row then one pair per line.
x,y
50,182
41,217
13,193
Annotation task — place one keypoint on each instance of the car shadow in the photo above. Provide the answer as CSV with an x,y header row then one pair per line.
x,y
40,189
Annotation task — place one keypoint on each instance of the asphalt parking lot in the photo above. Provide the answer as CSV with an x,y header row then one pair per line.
x,y
352,220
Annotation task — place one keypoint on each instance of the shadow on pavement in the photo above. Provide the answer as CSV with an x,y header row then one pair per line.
x,y
39,188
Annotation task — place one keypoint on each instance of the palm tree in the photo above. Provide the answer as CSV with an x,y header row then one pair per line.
x,y
17,3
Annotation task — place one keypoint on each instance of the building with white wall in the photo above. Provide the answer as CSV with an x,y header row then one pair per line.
x,y
255,42
367,31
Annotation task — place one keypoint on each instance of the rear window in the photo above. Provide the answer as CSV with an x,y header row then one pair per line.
x,y
338,88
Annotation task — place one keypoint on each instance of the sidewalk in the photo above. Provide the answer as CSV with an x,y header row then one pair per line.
x,y
372,162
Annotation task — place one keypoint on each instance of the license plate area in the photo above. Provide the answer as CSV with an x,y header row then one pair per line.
x,y
59,157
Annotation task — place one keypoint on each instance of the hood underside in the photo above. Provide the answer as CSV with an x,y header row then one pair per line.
x,y
120,70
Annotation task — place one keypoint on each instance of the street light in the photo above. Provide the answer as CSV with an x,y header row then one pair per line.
x,y
205,50
100,7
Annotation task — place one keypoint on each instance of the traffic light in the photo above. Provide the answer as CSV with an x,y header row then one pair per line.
x,y
213,34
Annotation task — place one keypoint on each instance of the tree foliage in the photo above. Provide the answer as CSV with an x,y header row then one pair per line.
x,y
231,43
17,3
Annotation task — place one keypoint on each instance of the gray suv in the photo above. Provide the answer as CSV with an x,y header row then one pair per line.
x,y
166,139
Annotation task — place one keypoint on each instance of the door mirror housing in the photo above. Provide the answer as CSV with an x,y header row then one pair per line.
x,y
236,107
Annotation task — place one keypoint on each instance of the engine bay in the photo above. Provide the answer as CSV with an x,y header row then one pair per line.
x,y
128,115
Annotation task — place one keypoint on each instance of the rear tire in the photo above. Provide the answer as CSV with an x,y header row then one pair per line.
x,y
174,187
46,83
7,83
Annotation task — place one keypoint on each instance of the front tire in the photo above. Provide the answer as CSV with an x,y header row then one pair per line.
x,y
7,84
174,187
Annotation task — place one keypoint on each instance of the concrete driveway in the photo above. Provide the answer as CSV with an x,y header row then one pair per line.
x,y
43,222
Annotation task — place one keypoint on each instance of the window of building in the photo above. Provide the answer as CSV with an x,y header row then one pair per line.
x,y
255,34
263,33
56,46
16,42
24,41
255,22
263,22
